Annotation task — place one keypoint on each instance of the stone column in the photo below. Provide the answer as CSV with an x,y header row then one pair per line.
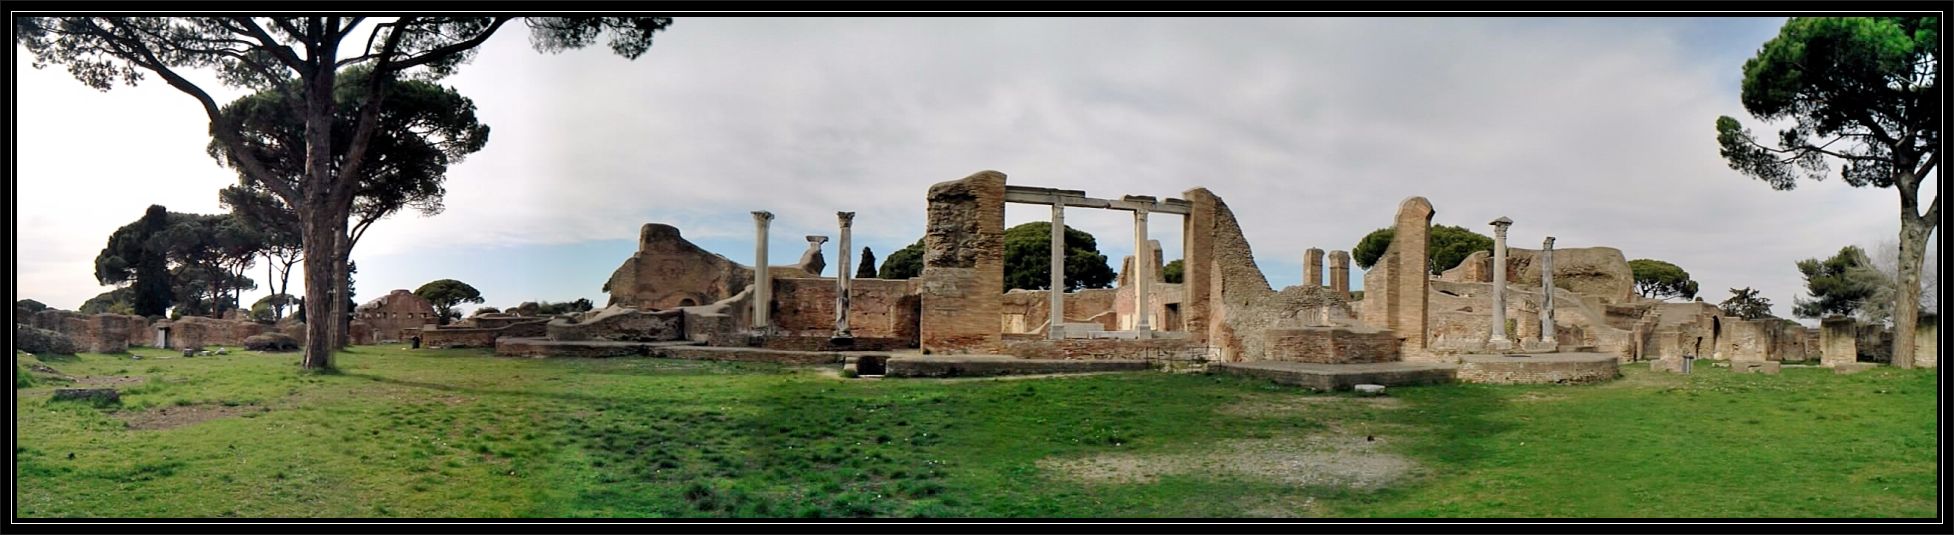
x,y
1142,272
1547,290
1498,340
1340,273
762,279
843,276
1312,268
1053,326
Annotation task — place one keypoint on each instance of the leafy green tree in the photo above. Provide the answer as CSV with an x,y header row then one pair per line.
x,y
1862,90
136,254
1174,271
1445,246
268,53
1657,279
29,306
425,130
867,268
905,263
1746,304
278,227
117,301
1028,259
266,309
446,293
1841,284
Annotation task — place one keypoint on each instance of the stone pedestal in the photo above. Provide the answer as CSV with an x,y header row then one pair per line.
x,y
1312,268
1838,340
1340,273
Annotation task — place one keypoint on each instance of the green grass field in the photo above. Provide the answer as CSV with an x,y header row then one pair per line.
x,y
460,433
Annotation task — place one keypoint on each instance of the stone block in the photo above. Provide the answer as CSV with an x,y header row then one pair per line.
x,y
1848,368
1754,366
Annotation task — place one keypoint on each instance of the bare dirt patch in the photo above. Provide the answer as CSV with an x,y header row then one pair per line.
x,y
109,380
182,415
1334,459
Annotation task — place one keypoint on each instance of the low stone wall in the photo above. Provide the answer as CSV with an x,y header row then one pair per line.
x,y
542,347
1552,368
824,343
1148,350
981,365
94,333
747,354
1330,345
450,337
1339,376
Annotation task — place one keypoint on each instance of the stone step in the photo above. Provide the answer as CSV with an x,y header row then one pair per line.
x,y
1340,376
987,365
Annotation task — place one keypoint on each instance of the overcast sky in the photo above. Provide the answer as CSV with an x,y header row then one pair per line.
x,y
1596,131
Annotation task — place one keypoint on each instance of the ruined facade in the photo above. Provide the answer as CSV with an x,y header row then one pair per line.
x,y
386,316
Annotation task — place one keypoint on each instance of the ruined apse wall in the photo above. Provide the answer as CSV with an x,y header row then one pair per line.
x,y
1396,288
389,314
963,265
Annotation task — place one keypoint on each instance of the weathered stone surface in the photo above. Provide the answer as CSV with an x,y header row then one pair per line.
x,y
1027,311
877,308
1926,345
1848,368
621,324
388,314
1340,274
1396,287
477,336
669,272
963,265
1150,350
271,341
1551,368
96,395
1370,389
1754,366
812,261
37,340
1226,283
1313,267
1839,338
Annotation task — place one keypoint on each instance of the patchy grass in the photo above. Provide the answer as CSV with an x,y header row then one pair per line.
x,y
457,433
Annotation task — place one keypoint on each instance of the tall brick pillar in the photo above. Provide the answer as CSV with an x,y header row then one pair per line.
x,y
963,266
1395,288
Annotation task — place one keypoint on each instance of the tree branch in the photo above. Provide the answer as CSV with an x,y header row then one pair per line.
x,y
284,53
445,51
1928,167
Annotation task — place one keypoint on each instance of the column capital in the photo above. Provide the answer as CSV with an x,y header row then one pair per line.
x,y
1548,244
847,218
762,216
1499,225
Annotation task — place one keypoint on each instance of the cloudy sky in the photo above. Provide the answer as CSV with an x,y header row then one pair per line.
x,y
1598,131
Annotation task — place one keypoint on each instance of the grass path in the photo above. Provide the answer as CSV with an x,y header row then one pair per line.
x,y
457,433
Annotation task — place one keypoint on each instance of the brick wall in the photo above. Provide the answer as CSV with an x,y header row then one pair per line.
x,y
877,308
1330,345
963,265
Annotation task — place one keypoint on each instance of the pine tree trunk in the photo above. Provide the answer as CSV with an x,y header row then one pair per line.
x,y
318,238
342,317
1906,313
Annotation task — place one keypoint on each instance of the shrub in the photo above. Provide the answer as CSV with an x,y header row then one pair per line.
x,y
38,341
271,342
